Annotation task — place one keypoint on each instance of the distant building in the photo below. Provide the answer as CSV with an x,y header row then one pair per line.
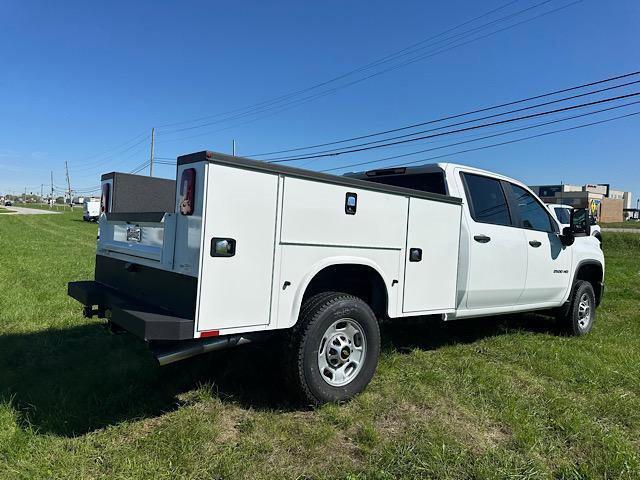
x,y
605,204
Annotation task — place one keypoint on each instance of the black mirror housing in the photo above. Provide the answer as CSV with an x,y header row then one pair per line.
x,y
567,237
580,223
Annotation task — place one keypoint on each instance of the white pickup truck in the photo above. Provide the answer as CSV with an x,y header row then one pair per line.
x,y
253,248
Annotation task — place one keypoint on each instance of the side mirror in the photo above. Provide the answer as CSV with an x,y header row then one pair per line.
x,y
567,237
580,223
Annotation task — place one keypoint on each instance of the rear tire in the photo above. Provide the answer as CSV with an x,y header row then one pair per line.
x,y
334,347
578,319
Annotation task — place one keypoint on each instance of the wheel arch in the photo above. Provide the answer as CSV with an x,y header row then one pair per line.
x,y
591,271
357,276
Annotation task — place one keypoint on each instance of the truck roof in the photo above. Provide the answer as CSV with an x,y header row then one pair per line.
x,y
424,168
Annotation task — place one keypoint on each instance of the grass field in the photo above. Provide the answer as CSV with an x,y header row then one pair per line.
x,y
490,398
621,225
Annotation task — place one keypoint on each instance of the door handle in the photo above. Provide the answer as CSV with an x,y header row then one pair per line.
x,y
482,238
535,243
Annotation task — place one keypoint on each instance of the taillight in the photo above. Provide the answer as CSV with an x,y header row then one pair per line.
x,y
104,199
187,191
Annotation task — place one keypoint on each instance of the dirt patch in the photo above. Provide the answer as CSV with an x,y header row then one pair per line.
x,y
471,430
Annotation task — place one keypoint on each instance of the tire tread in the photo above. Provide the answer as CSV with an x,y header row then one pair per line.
x,y
309,312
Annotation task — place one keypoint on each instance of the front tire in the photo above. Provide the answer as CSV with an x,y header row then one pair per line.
x,y
579,318
335,348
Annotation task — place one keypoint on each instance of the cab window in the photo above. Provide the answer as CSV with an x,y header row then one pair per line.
x,y
487,201
533,216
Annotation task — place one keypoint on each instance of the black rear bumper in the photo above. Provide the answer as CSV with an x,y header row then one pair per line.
x,y
145,321
151,303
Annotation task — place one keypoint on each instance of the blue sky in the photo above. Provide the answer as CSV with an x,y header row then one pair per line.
x,y
81,78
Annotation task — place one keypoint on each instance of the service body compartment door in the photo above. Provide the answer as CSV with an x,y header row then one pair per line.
x,y
431,262
235,289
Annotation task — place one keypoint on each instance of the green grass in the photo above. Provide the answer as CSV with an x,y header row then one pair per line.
x,y
632,224
4,210
487,398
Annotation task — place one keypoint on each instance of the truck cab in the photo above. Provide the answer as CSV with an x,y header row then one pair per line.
x,y
512,256
245,249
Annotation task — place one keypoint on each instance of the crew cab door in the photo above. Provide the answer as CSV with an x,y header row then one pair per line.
x,y
497,263
548,261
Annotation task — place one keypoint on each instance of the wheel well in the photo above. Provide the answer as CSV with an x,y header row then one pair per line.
x,y
359,280
592,273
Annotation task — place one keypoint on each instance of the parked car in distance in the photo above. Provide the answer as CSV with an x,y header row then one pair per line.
x,y
563,215
8,203
250,248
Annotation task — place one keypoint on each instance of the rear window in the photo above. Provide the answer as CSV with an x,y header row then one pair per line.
x,y
425,182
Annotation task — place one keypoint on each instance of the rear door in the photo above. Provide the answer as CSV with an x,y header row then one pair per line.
x,y
431,264
236,276
497,253
548,261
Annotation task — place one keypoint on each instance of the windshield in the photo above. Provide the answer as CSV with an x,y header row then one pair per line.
x,y
563,214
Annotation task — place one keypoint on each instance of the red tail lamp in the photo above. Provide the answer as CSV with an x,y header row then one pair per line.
x,y
104,199
187,191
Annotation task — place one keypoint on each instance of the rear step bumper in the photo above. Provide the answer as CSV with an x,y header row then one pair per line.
x,y
142,320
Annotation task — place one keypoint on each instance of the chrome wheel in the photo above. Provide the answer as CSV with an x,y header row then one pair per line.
x,y
342,352
584,311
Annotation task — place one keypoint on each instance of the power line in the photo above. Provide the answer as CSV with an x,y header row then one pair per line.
x,y
113,163
140,167
477,139
339,77
474,127
398,55
573,97
102,161
303,100
451,117
114,148
518,139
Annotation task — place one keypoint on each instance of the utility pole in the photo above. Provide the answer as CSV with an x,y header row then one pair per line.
x,y
24,198
51,198
41,192
153,138
66,167
234,148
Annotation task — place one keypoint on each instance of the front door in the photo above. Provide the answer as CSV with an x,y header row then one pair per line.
x,y
497,253
548,261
